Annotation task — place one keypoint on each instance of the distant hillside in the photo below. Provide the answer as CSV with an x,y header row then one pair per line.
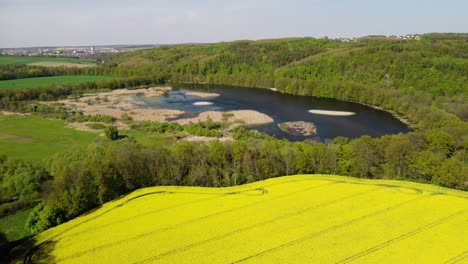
x,y
435,66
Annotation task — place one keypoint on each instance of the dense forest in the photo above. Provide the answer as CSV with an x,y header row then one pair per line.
x,y
422,81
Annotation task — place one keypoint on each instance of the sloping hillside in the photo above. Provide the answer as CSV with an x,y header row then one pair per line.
x,y
298,219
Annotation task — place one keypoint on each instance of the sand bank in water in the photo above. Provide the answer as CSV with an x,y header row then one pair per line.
x,y
331,113
202,103
247,117
202,94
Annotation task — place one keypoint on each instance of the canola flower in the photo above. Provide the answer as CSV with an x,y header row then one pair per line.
x,y
294,219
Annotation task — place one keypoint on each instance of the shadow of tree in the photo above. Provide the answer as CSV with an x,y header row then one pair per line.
x,y
25,250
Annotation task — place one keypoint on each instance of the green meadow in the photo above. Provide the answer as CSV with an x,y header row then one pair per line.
x,y
44,81
29,60
14,225
34,137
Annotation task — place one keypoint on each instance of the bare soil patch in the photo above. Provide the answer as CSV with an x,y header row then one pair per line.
x,y
16,139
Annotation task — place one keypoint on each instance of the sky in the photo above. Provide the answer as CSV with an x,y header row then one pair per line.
x,y
27,23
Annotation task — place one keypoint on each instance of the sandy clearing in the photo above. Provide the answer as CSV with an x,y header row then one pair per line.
x,y
331,113
247,117
84,126
201,94
202,103
61,64
7,113
119,102
206,139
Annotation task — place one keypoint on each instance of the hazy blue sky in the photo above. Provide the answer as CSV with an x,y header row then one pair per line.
x,y
94,22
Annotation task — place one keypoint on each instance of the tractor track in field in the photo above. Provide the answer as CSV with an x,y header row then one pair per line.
x,y
333,228
28,256
458,258
262,191
260,224
192,221
404,236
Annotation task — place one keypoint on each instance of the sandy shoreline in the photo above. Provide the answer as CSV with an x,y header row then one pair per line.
x,y
122,104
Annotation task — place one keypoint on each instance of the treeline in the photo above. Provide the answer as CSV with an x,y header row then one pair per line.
x,y
9,97
89,176
207,128
20,184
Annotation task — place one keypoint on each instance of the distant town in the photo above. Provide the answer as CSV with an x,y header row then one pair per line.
x,y
69,51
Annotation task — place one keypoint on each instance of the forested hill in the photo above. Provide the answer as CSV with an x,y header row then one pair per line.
x,y
435,66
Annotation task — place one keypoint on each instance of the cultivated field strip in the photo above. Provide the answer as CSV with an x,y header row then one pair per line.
x,y
320,219
348,244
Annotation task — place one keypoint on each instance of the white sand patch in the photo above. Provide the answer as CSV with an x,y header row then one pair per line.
x,y
247,117
202,103
331,113
201,94
206,139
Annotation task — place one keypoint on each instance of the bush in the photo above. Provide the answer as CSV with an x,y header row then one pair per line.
x,y
112,132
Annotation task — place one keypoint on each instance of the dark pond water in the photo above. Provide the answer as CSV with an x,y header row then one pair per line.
x,y
285,108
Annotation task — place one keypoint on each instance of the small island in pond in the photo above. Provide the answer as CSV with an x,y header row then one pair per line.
x,y
299,128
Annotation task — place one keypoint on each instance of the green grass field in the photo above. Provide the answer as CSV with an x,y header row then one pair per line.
x,y
34,137
296,219
30,60
13,226
44,81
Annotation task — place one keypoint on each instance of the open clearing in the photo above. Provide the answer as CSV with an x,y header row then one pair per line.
x,y
44,81
48,61
34,137
296,219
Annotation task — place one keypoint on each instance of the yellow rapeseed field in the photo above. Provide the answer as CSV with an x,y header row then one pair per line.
x,y
294,219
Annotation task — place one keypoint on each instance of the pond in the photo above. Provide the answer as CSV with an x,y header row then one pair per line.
x,y
352,119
